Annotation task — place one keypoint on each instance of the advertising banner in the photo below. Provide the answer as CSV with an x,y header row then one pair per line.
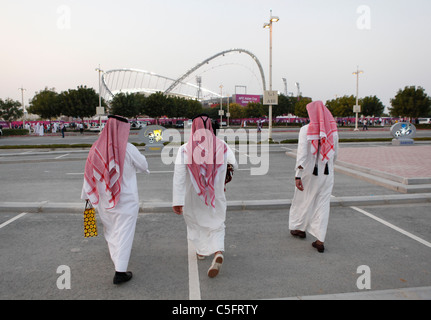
x,y
245,99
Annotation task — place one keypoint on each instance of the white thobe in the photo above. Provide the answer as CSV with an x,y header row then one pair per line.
x,y
205,224
119,223
310,208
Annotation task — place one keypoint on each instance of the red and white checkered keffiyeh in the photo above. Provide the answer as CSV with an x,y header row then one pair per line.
x,y
105,163
205,155
323,128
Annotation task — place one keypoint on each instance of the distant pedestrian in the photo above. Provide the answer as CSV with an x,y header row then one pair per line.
x,y
62,129
364,123
110,184
41,129
259,126
314,180
199,190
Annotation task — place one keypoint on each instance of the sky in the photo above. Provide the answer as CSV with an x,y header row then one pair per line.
x,y
317,43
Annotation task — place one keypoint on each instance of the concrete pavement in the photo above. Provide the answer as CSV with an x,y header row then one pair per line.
x,y
260,263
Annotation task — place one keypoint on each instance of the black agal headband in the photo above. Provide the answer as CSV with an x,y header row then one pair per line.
x,y
118,118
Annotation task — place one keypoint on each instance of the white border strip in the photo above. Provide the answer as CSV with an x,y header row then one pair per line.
x,y
194,285
12,220
408,234
59,157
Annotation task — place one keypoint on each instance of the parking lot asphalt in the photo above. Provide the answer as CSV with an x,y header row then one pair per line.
x,y
378,245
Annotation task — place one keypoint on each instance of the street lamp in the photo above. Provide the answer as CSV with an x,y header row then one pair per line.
x,y
268,25
100,87
23,106
357,107
221,105
100,97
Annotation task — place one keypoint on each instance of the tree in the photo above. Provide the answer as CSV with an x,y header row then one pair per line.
x,y
285,106
179,107
46,104
157,105
301,107
194,108
371,106
80,102
141,103
411,102
10,109
236,111
125,105
341,106
213,111
255,110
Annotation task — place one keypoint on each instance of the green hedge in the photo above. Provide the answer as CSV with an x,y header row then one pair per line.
x,y
15,132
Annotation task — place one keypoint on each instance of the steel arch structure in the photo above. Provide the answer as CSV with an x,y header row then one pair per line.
x,y
188,73
154,83
113,80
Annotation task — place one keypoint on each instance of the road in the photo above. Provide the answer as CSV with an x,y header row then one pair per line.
x,y
279,134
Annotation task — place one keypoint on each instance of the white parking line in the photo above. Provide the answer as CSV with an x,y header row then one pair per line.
x,y
194,285
62,156
288,149
12,220
408,234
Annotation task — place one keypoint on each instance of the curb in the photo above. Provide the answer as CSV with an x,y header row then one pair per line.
x,y
421,293
164,207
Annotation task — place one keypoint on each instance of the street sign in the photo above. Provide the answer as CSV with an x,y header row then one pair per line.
x,y
356,109
270,98
100,110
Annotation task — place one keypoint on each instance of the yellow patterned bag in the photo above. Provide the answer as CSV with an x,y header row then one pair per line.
x,y
90,225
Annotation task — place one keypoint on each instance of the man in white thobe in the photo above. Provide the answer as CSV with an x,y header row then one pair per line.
x,y
314,179
205,219
118,217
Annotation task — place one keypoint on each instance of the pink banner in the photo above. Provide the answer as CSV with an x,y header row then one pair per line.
x,y
245,99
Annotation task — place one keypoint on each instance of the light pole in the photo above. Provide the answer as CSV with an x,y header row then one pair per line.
x,y
100,96
285,86
357,108
227,113
23,106
266,26
221,105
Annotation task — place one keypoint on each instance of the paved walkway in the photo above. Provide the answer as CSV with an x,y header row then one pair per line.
x,y
404,161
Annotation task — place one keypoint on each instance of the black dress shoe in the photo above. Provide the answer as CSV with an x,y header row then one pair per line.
x,y
319,246
121,277
298,233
